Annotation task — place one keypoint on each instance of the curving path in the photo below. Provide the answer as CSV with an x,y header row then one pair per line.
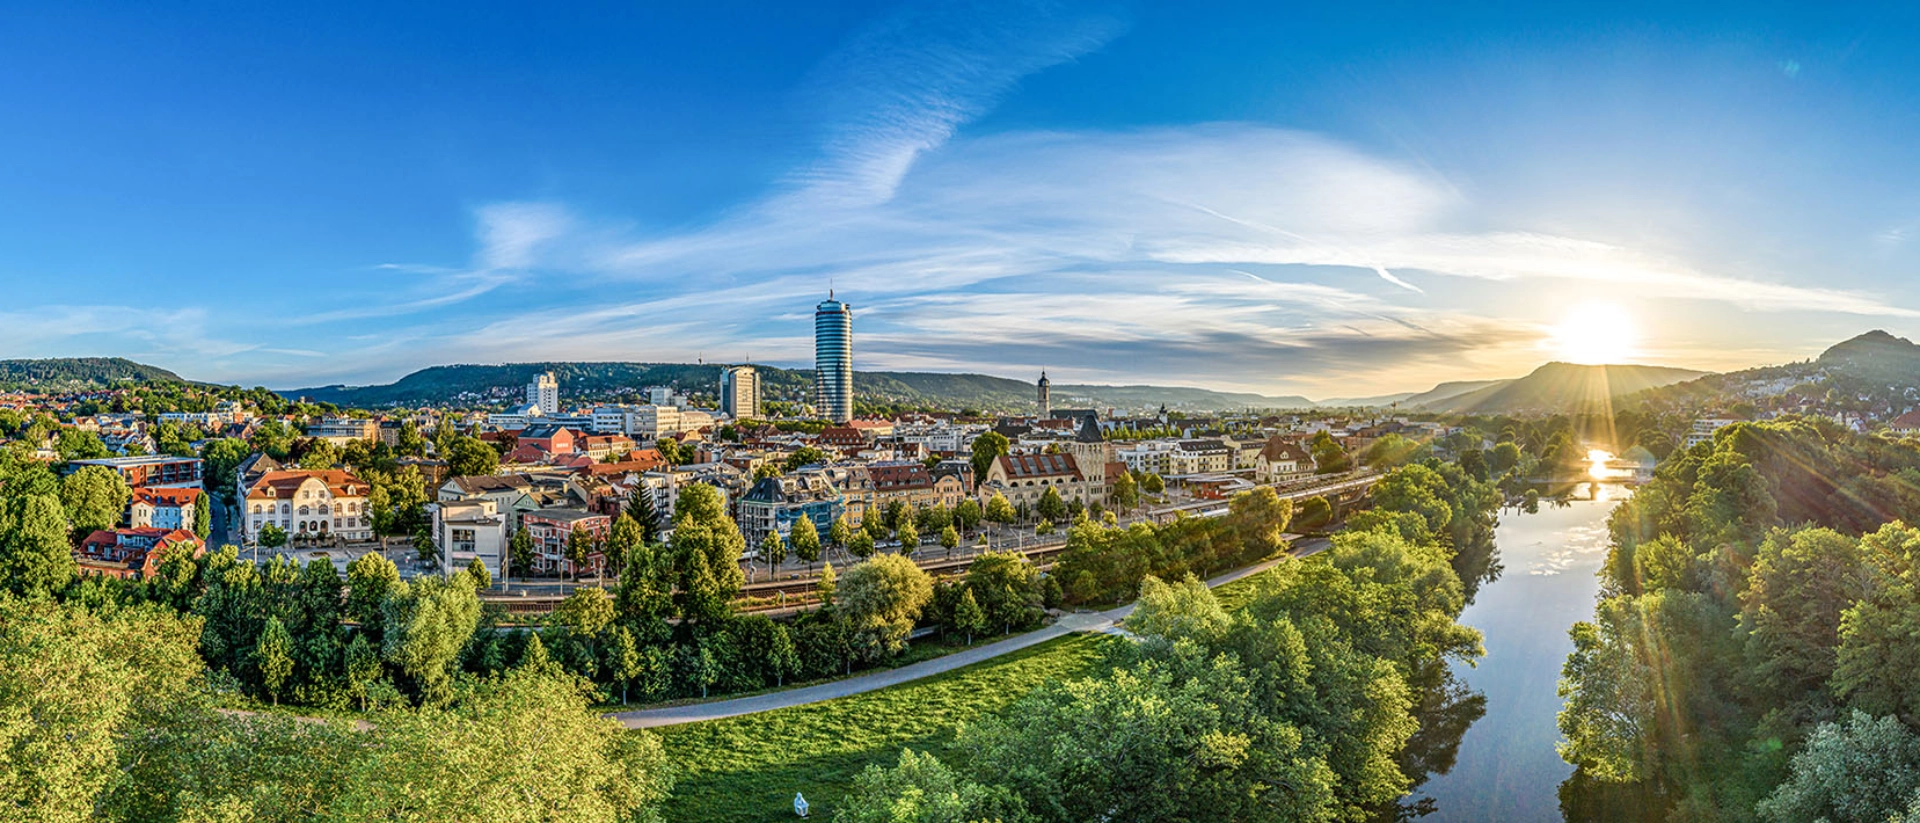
x,y
1077,622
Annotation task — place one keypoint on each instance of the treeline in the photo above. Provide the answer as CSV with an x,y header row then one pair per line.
x,y
107,718
1305,704
1752,654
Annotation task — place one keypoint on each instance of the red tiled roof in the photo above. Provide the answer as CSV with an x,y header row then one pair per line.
x,y
641,460
285,483
1018,466
166,497
891,477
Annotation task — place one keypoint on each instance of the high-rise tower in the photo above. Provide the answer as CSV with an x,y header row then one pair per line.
x,y
1046,396
544,392
740,392
833,359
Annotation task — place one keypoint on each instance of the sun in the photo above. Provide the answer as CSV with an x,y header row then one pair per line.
x,y
1594,334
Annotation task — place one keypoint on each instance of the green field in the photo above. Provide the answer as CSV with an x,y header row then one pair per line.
x,y
748,768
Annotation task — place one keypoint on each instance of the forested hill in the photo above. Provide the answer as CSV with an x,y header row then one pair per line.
x,y
1878,370
593,381
1562,387
78,373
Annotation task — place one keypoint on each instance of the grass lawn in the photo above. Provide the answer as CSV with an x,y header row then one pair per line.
x,y
748,768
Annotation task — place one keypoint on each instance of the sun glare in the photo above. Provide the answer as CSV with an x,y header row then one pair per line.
x,y
1594,334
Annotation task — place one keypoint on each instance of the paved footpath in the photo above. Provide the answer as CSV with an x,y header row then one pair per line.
x,y
1068,624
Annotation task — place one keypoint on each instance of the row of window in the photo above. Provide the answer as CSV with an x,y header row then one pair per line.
x,y
287,508
305,525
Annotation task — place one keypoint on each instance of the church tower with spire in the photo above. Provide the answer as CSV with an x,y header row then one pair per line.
x,y
1046,399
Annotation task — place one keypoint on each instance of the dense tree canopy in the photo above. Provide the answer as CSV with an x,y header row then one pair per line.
x,y
1760,586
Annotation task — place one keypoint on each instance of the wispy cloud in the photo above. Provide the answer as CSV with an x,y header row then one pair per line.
x,y
905,84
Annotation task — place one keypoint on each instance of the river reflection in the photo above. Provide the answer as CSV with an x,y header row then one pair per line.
x,y
1488,732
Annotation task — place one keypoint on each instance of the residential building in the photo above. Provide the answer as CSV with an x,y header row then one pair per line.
x,y
510,494
133,554
343,430
550,529
602,446
651,422
740,392
1905,425
204,420
857,496
610,419
1024,478
774,503
322,504
911,483
665,396
1282,460
833,360
668,481
544,392
516,418
1200,457
1149,456
469,530
148,470
1703,429
163,508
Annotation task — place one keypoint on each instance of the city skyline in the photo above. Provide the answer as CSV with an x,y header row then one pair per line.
x,y
1253,198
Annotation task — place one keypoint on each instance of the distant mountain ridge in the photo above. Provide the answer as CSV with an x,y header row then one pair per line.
x,y
1561,387
469,382
1875,364
79,373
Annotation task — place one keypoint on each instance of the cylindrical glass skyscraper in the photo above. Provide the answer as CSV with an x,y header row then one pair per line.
x,y
833,359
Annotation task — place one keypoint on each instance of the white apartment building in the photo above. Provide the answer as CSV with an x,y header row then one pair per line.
x,y
651,422
544,392
1150,456
665,396
343,430
469,530
610,419
1703,429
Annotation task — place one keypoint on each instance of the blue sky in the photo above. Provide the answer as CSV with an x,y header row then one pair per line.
x,y
1286,199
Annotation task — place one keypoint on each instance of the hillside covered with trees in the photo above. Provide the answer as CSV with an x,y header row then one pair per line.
x,y
79,373
616,381
1751,658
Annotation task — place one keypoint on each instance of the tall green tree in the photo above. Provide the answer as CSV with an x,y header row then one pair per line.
x,y
967,616
998,510
95,498
774,551
624,538
471,457
908,536
806,541
989,446
1051,507
273,657
426,626
203,516
1126,492
707,546
35,559
640,507
881,598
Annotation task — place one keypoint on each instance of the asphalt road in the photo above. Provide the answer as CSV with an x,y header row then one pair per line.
x,y
1077,622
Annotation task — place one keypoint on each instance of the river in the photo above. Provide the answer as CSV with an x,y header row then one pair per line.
x,y
1507,768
